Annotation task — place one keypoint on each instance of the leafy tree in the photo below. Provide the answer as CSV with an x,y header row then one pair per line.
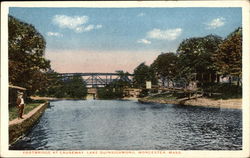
x,y
64,87
54,86
165,66
75,87
115,89
195,57
124,80
143,73
26,56
228,58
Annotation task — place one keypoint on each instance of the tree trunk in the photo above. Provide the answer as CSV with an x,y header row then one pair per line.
x,y
202,79
230,80
238,81
217,78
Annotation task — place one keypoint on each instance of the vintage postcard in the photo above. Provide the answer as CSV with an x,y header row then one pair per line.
x,y
125,79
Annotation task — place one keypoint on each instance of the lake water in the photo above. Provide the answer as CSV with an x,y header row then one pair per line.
x,y
129,125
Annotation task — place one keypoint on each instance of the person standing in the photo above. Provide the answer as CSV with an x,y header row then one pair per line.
x,y
20,105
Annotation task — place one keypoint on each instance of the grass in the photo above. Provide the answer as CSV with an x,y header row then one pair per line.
x,y
162,96
213,91
13,111
224,90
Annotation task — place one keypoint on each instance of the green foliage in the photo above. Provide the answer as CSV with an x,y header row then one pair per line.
x,y
26,56
13,111
124,81
144,93
224,90
75,87
165,66
195,56
115,89
70,87
144,73
168,96
109,93
228,58
53,87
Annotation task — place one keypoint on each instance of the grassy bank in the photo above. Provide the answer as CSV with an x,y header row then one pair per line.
x,y
234,103
13,111
218,101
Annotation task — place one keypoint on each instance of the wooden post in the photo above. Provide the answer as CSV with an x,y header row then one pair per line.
x,y
106,79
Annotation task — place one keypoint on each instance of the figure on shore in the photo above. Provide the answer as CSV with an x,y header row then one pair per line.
x,y
20,105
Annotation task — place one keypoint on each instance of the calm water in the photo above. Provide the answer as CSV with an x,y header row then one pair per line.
x,y
128,125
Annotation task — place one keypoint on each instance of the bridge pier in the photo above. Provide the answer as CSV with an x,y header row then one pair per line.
x,y
92,93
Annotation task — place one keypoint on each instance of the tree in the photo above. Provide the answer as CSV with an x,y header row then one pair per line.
x,y
143,73
195,57
26,56
54,86
124,80
75,87
64,87
165,66
116,88
228,58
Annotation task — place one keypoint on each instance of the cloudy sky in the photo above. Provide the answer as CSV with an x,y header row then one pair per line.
x,y
110,39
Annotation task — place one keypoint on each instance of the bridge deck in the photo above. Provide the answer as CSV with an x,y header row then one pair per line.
x,y
92,74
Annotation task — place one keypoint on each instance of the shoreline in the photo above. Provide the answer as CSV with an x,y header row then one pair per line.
x,y
53,99
18,127
201,102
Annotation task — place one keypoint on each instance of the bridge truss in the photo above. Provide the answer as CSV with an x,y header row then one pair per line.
x,y
99,79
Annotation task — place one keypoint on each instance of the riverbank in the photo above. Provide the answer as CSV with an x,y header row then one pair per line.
x,y
52,98
19,127
205,102
13,110
130,98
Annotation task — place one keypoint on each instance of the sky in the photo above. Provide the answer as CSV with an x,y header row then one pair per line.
x,y
110,39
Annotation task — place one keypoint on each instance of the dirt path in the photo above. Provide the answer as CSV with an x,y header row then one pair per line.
x,y
228,103
43,98
205,102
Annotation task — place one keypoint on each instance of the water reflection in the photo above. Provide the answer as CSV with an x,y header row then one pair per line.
x,y
128,125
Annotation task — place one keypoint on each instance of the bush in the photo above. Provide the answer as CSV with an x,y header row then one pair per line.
x,y
144,93
224,90
109,93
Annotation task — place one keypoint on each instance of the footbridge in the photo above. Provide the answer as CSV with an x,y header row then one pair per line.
x,y
99,79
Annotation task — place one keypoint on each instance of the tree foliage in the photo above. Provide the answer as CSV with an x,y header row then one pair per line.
x,y
26,56
165,66
195,56
74,87
143,73
115,89
228,58
112,91
60,87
